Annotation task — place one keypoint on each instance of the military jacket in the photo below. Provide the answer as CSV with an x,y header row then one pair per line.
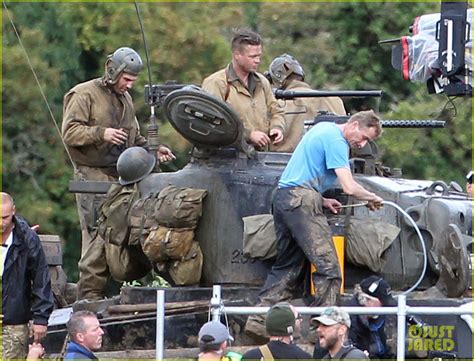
x,y
300,109
89,108
259,111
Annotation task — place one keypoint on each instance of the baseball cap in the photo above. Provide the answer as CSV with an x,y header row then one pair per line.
x,y
332,316
214,332
377,287
280,320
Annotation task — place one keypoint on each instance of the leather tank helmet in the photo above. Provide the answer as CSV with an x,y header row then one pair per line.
x,y
122,60
281,68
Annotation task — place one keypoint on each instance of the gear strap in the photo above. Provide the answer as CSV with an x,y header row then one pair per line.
x,y
266,353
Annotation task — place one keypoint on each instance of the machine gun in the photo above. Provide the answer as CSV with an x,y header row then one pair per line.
x,y
291,94
156,94
396,123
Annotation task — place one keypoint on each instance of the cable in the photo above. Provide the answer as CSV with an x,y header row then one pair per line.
x,y
422,241
38,83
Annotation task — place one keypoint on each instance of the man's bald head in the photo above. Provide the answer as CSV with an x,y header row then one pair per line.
x,y
7,199
8,211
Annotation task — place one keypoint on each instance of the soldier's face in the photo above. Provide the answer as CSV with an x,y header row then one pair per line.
x,y
92,337
124,83
8,211
248,58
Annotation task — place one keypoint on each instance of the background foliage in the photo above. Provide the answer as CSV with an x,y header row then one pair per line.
x,y
337,43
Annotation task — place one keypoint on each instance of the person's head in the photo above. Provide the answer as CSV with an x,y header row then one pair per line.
x,y
246,50
8,211
332,328
284,68
375,292
122,68
213,337
469,183
280,320
83,328
361,128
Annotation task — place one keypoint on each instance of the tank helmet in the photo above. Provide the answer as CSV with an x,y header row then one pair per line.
x,y
122,60
282,67
134,164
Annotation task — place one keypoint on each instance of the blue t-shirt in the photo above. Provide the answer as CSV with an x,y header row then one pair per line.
x,y
322,150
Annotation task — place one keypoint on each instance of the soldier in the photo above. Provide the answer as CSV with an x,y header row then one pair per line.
x,y
303,234
332,328
286,73
26,286
249,92
99,123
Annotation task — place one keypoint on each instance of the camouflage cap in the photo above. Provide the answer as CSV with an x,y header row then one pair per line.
x,y
332,316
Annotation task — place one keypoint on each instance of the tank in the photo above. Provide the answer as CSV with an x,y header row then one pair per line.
x,y
240,182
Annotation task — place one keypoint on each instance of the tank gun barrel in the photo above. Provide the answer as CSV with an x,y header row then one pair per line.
x,y
291,94
395,123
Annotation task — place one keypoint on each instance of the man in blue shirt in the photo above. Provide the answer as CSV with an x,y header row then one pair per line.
x,y
85,334
302,230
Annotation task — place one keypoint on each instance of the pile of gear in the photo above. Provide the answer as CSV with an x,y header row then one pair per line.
x,y
160,227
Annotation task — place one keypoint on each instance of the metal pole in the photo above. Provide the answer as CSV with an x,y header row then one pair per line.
x,y
401,327
160,324
216,302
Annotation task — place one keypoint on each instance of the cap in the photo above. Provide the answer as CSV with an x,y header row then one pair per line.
x,y
214,332
469,177
377,287
280,320
332,316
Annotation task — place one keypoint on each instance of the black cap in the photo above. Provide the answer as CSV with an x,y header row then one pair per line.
x,y
377,287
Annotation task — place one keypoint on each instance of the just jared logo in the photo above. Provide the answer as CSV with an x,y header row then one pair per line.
x,y
430,338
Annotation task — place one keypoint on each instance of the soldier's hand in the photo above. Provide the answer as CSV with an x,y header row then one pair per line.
x,y
115,136
277,135
165,154
259,138
375,203
39,331
332,204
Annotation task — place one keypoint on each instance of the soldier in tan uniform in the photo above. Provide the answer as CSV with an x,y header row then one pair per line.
x,y
248,92
286,73
99,123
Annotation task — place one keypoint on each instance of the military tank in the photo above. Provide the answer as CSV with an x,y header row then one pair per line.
x,y
240,182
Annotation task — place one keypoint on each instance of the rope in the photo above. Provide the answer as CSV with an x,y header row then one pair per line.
x,y
38,83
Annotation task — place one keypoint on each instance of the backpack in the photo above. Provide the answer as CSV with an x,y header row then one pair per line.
x,y
113,213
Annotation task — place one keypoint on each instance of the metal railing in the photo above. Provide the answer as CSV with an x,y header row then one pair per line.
x,y
217,308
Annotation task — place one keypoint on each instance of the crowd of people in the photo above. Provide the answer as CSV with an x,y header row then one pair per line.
x,y
99,124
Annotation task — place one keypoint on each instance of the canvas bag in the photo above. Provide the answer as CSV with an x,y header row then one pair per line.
x,y
188,270
163,243
126,263
179,207
259,238
141,218
113,213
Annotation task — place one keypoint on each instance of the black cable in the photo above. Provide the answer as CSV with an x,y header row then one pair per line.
x,y
144,42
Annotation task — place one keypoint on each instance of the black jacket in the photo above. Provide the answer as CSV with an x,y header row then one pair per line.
x,y
26,286
369,334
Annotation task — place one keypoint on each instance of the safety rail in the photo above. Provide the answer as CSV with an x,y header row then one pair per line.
x,y
217,309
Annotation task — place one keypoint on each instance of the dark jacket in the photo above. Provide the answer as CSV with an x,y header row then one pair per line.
x,y
369,334
75,351
26,286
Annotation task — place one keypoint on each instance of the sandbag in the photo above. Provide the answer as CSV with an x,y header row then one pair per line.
x,y
179,207
367,240
163,243
188,271
126,263
259,238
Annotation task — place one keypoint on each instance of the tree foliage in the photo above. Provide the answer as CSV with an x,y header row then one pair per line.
x,y
337,43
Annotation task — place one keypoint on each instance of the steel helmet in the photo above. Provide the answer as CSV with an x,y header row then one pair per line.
x,y
134,164
122,60
282,67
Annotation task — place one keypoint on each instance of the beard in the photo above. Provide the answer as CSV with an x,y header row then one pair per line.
x,y
328,342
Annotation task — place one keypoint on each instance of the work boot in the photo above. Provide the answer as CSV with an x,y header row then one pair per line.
x,y
255,329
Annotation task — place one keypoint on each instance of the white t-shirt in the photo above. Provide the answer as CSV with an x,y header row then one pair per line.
x,y
5,247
